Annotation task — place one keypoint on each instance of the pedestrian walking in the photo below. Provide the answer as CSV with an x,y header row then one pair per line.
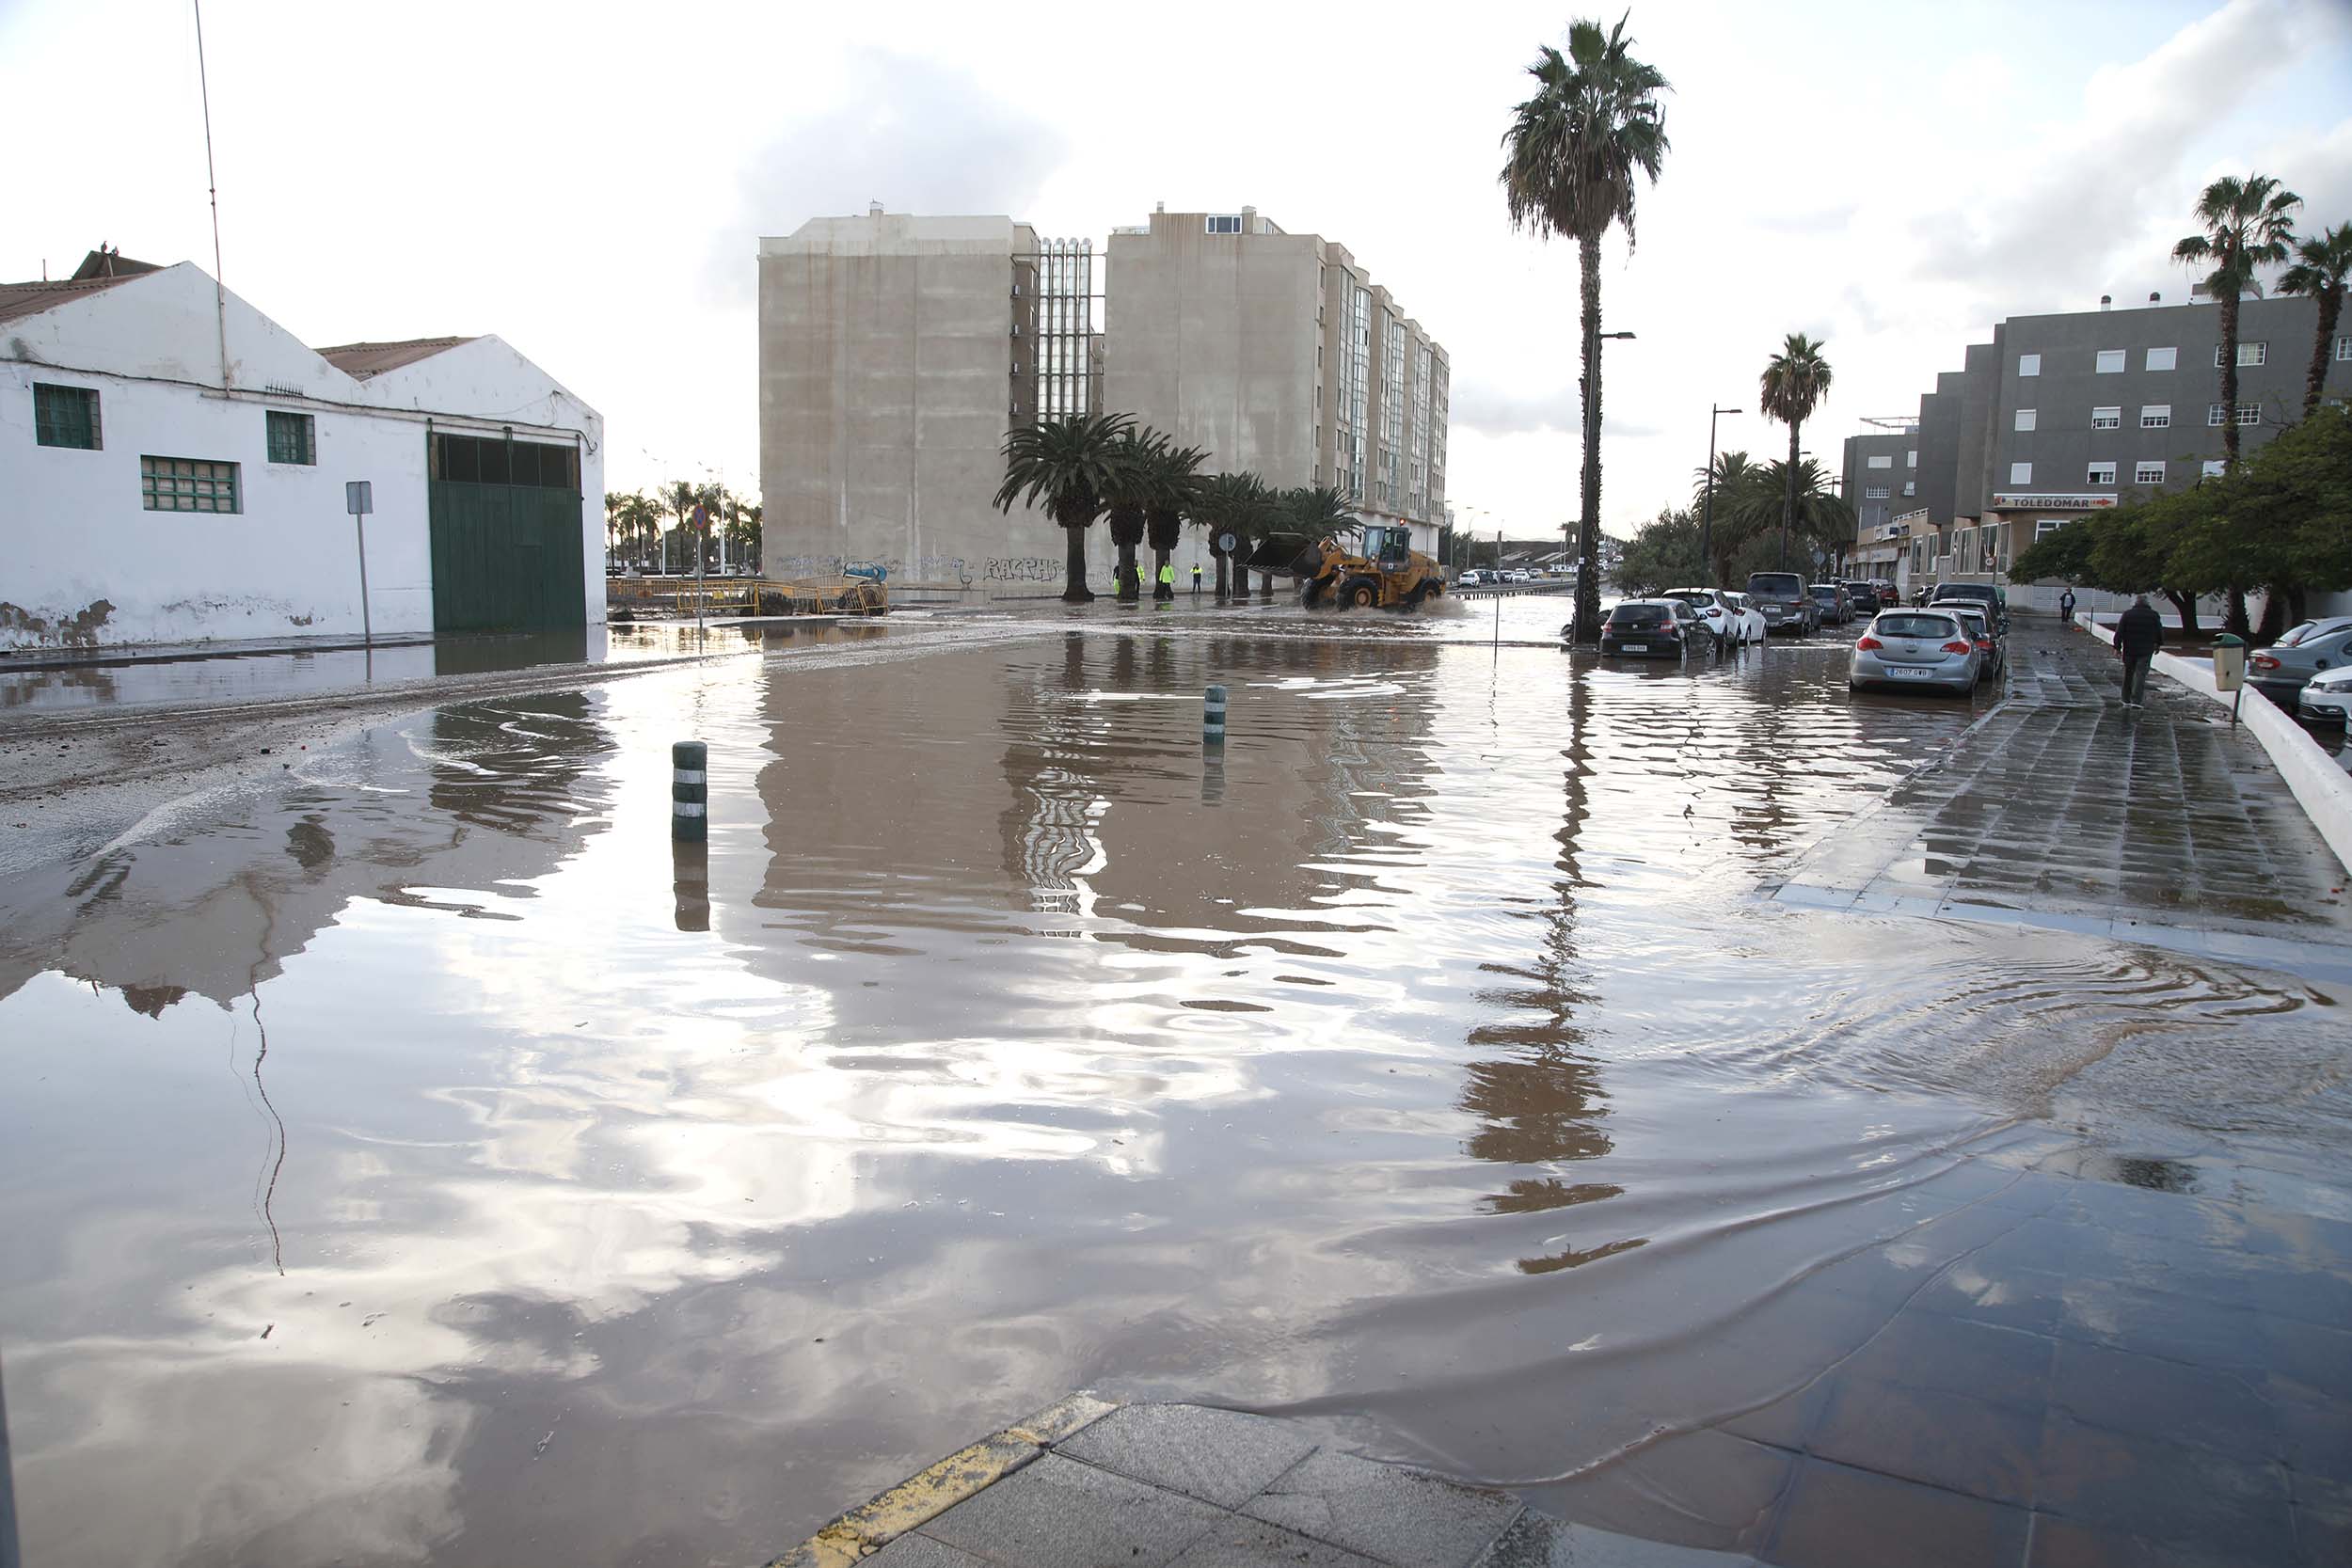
x,y
2066,606
1195,579
2138,636
1166,589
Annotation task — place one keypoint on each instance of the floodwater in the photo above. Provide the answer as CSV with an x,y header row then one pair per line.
x,y
424,1158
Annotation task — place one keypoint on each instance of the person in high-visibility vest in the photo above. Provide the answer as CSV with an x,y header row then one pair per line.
x,y
1168,582
1195,579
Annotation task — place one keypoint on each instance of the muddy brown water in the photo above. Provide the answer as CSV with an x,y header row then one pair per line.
x,y
421,1157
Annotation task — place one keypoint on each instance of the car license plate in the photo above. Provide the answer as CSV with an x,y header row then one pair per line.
x,y
1635,647
1901,673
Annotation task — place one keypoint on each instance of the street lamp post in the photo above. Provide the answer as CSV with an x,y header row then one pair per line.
x,y
1706,507
1592,444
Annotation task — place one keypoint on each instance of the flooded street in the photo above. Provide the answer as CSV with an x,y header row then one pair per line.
x,y
420,1156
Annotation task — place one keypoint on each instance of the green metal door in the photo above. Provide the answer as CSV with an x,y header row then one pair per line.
x,y
505,556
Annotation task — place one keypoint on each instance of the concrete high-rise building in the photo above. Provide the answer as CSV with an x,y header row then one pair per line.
x,y
2063,415
897,351
1276,354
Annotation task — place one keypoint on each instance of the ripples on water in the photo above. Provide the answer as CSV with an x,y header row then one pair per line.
x,y
1424,1060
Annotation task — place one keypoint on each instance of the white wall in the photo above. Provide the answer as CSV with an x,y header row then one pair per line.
x,y
81,562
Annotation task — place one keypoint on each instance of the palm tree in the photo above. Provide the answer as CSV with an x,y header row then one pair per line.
x,y
2245,227
2322,263
1792,385
1229,504
1128,496
1175,482
1572,159
1069,464
1321,512
1735,479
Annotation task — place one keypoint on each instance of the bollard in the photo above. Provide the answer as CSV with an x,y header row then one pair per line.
x,y
1212,717
690,792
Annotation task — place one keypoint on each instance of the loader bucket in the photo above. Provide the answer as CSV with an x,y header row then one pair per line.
x,y
1293,554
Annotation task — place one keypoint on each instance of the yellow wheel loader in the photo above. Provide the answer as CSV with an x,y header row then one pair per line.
x,y
1381,571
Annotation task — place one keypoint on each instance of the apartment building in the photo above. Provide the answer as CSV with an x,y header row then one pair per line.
x,y
896,351
2063,415
1882,475
1278,354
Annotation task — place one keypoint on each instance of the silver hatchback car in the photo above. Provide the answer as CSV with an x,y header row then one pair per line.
x,y
1915,647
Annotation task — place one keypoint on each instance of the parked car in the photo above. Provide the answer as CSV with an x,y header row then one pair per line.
x,y
1473,578
1989,642
1994,600
1785,605
1835,605
2280,671
1915,647
1751,620
1865,599
1655,628
2326,697
1715,608
1890,596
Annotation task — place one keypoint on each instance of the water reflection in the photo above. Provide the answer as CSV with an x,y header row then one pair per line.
x,y
999,1040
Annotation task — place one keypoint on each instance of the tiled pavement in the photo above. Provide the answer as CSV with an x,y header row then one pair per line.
x,y
1085,1484
2062,808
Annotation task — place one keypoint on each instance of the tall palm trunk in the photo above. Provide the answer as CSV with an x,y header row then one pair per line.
x,y
1160,588
1218,556
2330,309
1587,621
1073,564
2234,620
1789,496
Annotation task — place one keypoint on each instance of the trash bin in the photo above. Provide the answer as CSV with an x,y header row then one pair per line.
x,y
2229,662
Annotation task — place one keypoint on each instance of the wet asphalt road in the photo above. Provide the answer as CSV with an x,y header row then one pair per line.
x,y
415,1155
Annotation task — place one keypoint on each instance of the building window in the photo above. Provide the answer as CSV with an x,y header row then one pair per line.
x,y
2021,473
65,416
293,438
2111,361
2106,418
2025,419
2213,467
490,460
1910,458
2044,526
2343,347
2155,415
2248,413
1224,223
1874,492
1911,487
2029,364
2162,358
187,484
2102,473
2147,473
1884,460
2248,353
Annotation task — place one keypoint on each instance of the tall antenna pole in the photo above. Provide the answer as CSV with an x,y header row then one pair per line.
x,y
220,289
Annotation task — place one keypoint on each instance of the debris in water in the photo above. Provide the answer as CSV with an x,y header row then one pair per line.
x,y
265,1332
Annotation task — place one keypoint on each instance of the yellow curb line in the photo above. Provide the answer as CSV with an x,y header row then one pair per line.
x,y
932,1491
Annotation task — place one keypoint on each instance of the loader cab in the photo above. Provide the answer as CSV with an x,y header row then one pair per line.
x,y
1390,544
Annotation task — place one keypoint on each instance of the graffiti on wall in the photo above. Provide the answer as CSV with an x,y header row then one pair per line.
x,y
1028,568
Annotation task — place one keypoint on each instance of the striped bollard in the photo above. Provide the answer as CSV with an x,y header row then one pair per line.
x,y
690,791
1212,717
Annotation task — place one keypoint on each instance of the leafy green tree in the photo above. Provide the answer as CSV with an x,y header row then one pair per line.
x,y
2321,266
1737,482
1321,512
1663,553
744,529
1792,386
1175,482
1574,154
1236,503
1069,464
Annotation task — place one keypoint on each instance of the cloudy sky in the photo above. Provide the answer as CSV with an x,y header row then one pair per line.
x,y
589,181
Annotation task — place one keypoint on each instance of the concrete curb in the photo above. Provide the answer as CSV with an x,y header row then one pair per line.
x,y
2323,789
932,1491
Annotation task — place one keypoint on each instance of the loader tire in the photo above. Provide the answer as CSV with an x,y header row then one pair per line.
x,y
1359,594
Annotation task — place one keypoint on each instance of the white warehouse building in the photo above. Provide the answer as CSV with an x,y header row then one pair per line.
x,y
173,468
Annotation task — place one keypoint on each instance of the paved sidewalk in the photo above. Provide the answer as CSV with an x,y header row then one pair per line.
x,y
2062,808
1088,1484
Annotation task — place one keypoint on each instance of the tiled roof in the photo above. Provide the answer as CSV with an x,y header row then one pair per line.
x,y
31,299
361,360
